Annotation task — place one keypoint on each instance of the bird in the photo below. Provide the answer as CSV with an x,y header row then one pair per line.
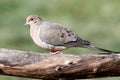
x,y
55,37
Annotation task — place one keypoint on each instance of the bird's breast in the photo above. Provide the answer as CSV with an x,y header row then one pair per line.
x,y
34,33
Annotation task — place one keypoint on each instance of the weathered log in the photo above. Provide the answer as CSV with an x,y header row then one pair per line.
x,y
59,66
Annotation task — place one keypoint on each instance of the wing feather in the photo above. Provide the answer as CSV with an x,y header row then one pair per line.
x,y
58,35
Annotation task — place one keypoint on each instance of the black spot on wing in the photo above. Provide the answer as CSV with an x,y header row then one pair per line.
x,y
69,34
62,35
68,31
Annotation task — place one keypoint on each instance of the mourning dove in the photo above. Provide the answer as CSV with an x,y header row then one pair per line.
x,y
55,37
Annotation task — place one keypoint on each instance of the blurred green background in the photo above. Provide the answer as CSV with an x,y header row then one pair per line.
x,y
95,20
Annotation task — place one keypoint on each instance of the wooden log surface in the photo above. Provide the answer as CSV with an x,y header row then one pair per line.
x,y
59,66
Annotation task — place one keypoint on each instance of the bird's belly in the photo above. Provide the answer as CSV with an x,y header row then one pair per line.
x,y
48,46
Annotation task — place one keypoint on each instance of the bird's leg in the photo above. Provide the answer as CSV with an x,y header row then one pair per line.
x,y
54,52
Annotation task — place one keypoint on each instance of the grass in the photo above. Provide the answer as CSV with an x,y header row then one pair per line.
x,y
96,21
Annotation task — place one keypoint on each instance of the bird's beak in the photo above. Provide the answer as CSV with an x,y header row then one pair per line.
x,y
25,24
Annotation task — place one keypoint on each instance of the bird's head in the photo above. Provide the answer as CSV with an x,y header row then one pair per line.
x,y
32,20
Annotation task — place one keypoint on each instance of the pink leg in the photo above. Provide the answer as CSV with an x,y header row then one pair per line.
x,y
55,52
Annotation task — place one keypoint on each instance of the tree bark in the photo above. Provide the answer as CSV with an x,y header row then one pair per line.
x,y
59,66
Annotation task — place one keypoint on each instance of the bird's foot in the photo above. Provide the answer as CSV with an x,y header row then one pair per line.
x,y
56,52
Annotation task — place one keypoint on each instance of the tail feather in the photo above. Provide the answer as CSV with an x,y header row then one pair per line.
x,y
99,49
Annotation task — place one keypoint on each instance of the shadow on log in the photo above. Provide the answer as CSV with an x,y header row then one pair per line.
x,y
59,66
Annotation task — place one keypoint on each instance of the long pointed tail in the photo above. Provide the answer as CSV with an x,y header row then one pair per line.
x,y
99,49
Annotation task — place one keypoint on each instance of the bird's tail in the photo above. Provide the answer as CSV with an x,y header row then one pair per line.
x,y
100,49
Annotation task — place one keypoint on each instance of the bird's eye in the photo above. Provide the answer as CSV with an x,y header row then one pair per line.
x,y
31,19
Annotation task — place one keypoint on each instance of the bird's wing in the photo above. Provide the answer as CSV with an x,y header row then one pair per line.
x,y
58,35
